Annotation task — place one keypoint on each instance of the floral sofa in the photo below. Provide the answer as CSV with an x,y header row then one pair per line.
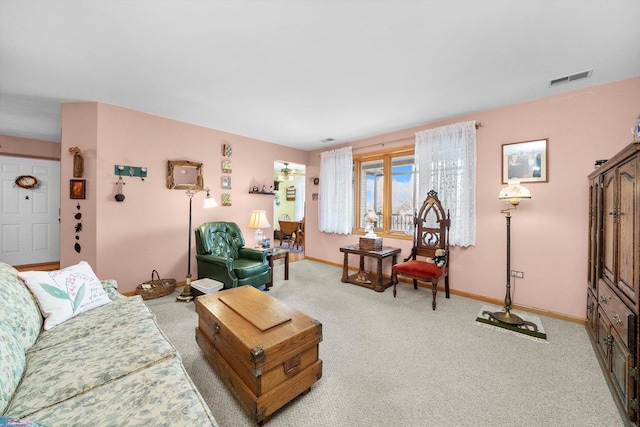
x,y
107,365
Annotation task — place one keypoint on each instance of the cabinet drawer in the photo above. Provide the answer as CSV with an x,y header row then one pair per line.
x,y
622,319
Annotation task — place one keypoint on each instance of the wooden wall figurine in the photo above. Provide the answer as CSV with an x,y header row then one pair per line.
x,y
78,162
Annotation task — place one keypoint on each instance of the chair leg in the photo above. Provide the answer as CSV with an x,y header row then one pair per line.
x,y
446,286
435,291
394,280
415,284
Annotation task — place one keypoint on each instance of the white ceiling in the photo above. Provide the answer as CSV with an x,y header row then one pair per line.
x,y
297,72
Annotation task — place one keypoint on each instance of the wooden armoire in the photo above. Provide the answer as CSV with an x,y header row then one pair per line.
x,y
614,274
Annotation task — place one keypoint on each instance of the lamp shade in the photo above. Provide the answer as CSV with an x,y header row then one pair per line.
x,y
258,220
210,202
514,192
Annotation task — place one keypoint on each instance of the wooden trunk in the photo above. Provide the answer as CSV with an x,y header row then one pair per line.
x,y
265,351
371,243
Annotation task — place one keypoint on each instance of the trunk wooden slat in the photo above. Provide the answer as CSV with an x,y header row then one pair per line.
x,y
265,351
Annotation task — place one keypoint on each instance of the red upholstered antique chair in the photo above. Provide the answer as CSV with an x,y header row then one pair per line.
x,y
431,234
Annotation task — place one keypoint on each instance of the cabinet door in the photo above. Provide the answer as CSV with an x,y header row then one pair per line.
x,y
595,213
592,318
608,227
621,364
617,359
627,234
603,337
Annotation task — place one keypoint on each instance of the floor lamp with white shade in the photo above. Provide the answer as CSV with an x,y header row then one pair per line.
x,y
209,202
513,193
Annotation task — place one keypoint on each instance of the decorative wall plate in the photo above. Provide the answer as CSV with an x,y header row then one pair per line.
x,y
27,181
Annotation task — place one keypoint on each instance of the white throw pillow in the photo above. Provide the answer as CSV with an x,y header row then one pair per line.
x,y
65,293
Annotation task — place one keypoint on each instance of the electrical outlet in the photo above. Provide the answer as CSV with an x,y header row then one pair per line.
x,y
516,273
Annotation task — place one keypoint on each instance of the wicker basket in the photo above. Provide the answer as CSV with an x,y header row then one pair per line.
x,y
156,288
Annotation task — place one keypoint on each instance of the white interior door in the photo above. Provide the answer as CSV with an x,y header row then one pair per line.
x,y
29,226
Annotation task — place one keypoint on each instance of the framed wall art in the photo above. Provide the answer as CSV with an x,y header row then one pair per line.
x,y
226,199
184,175
226,182
77,189
226,166
526,161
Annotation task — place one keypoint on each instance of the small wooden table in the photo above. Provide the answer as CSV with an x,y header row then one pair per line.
x,y
277,253
369,280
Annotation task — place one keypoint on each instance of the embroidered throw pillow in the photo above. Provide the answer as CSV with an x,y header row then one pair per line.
x,y
65,293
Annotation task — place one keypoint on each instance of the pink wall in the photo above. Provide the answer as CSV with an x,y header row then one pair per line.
x,y
79,129
149,230
25,147
549,232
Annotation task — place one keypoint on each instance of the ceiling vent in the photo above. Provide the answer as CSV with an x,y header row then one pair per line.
x,y
327,140
571,78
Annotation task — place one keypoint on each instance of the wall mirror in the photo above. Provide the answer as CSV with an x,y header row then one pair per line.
x,y
184,175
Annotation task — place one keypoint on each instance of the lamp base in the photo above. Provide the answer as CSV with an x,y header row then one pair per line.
x,y
258,237
505,317
186,294
511,319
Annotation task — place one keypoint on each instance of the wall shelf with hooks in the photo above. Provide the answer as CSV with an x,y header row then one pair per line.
x,y
132,171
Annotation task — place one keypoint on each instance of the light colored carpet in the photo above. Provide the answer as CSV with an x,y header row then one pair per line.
x,y
395,362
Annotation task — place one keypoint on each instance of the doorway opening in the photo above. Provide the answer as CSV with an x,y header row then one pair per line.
x,y
289,207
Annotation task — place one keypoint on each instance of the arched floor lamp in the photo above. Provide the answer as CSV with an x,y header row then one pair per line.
x,y
513,193
209,202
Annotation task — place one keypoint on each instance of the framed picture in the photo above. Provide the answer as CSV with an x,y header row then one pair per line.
x,y
184,175
226,150
526,161
226,182
77,189
226,199
226,166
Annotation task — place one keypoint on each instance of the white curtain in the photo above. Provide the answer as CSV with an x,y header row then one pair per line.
x,y
335,206
298,205
445,158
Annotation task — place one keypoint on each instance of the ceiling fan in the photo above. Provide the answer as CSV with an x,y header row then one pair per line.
x,y
286,173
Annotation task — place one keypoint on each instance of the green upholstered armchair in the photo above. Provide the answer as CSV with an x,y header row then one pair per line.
x,y
221,256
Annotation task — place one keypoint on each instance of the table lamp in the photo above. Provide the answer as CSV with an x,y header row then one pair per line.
x,y
257,221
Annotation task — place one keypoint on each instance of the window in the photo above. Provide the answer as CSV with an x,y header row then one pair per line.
x,y
386,186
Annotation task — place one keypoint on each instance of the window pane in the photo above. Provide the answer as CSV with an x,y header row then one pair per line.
x,y
403,197
372,197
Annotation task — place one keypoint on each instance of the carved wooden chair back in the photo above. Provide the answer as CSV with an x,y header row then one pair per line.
x,y
431,228
425,263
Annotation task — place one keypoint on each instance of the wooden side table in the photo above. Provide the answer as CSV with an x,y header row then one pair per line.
x,y
369,280
277,253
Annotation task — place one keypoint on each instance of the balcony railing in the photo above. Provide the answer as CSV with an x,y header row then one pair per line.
x,y
399,222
